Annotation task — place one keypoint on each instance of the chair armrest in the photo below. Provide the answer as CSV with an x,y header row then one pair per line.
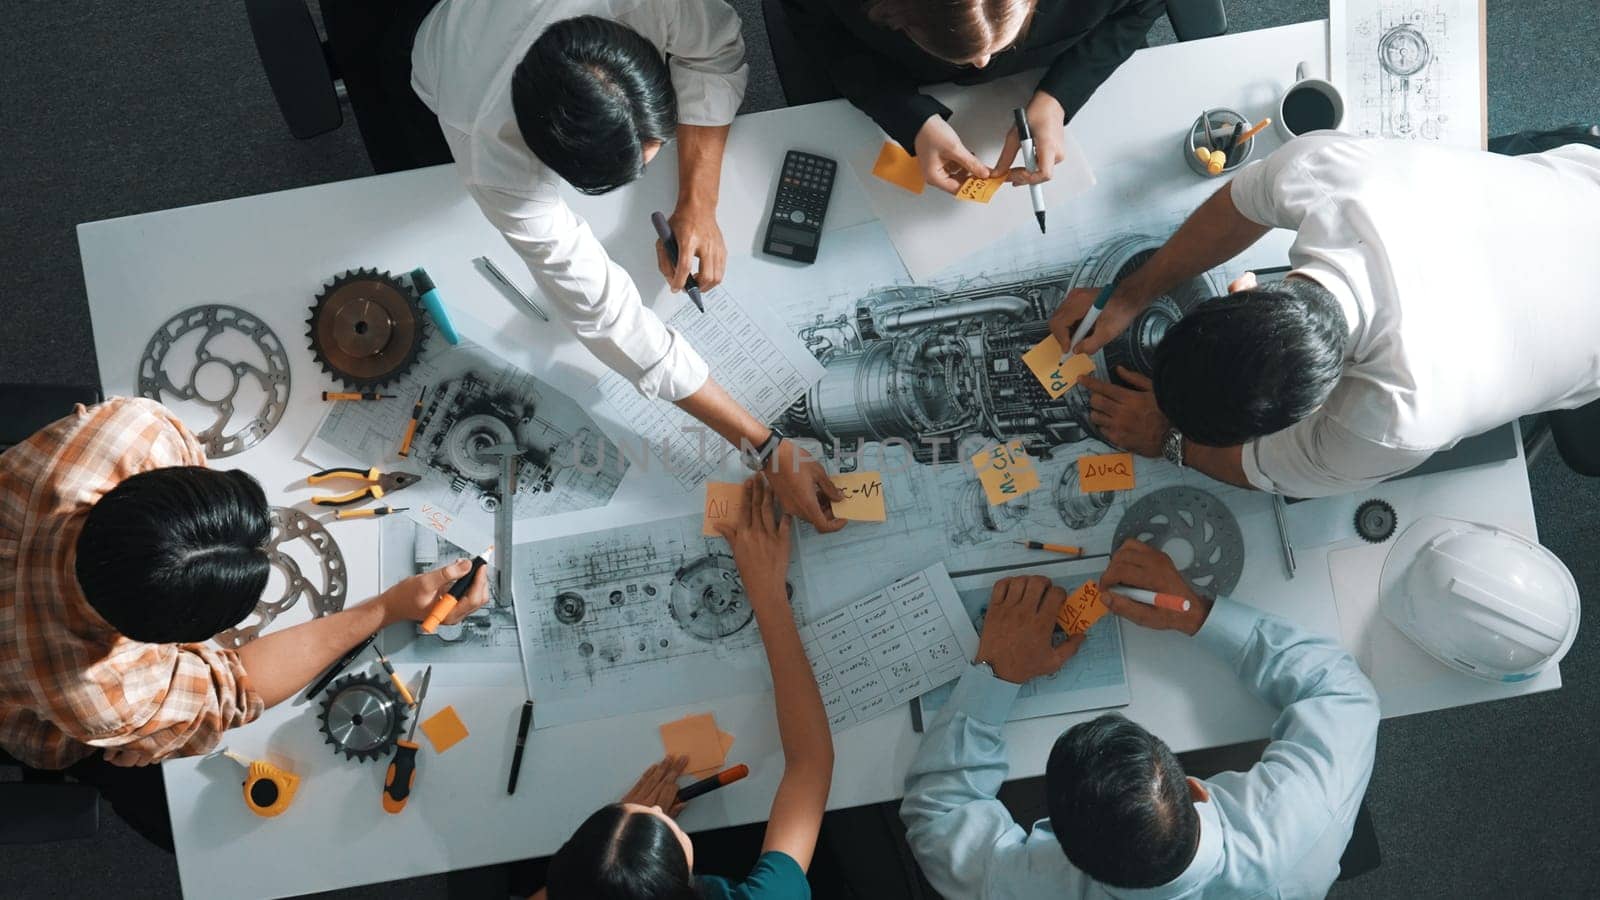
x,y
1195,19
38,813
297,68
26,408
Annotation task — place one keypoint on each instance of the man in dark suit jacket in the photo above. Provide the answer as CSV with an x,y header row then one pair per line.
x,y
878,52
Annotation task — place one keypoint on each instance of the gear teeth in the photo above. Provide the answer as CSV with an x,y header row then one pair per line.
x,y
1376,520
403,362
364,682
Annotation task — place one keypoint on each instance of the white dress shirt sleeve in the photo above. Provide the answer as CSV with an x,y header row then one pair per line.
x,y
1319,457
705,53
1294,810
593,295
1283,189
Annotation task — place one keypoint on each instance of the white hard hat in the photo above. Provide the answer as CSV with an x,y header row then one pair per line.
x,y
1479,599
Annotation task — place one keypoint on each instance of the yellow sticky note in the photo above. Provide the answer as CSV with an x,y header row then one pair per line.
x,y
698,738
863,497
1057,371
898,167
724,503
1107,472
444,729
1082,609
979,190
1006,472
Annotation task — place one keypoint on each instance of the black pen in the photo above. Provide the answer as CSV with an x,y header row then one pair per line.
x,y
670,241
334,670
522,740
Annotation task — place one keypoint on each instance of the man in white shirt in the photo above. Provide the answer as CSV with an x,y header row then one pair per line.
x,y
1125,821
1436,293
586,91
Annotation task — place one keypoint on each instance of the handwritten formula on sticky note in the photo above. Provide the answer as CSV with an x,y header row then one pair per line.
x,y
898,167
1006,472
1107,472
1056,370
724,503
863,497
1082,609
979,190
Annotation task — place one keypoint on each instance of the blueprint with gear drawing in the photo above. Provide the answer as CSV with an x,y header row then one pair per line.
x,y
473,401
1410,69
486,637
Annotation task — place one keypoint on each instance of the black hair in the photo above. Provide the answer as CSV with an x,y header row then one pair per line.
x,y
1251,363
176,555
621,855
589,94
1119,804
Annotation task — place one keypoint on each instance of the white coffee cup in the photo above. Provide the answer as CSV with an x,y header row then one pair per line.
x,y
1310,104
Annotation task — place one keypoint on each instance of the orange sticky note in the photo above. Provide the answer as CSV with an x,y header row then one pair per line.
x,y
724,503
979,190
1106,472
898,167
444,729
1006,472
1057,371
726,741
863,497
1082,609
698,738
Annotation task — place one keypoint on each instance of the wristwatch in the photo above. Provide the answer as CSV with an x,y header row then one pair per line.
x,y
755,460
983,664
1172,447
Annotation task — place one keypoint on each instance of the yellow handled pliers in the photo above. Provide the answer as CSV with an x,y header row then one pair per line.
x,y
377,484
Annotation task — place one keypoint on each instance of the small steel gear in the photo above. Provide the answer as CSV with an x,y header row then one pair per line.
x,y
1375,521
367,328
362,717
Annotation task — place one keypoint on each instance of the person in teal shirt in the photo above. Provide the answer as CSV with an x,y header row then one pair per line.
x,y
1125,821
634,850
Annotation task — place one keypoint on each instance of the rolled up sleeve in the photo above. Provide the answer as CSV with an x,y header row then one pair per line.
x,y
175,700
705,53
593,295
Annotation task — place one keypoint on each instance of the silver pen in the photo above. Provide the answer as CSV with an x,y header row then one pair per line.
x,y
1283,534
495,273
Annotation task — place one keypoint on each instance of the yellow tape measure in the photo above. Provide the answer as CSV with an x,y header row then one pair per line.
x,y
268,790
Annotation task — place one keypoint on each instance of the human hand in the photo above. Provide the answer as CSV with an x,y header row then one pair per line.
x,y
695,227
760,542
1047,123
940,153
798,479
1140,565
1017,640
658,786
1114,319
410,600
1127,416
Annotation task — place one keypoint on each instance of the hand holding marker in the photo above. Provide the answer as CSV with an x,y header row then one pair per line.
x,y
1099,306
670,242
446,604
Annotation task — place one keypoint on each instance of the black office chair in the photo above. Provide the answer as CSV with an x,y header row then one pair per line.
x,y
803,83
43,806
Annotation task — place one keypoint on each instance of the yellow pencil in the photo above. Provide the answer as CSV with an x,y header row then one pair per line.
x,y
1053,548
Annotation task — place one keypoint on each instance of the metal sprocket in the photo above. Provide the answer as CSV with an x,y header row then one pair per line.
x,y
367,328
362,717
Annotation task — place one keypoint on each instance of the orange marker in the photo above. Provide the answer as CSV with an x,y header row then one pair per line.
x,y
411,427
707,785
1252,132
1053,548
446,604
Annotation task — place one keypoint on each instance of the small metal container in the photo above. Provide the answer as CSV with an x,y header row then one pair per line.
x,y
1221,122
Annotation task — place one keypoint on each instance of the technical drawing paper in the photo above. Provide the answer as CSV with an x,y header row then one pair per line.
x,y
873,655
1095,677
933,230
488,637
475,400
760,366
1410,69
626,609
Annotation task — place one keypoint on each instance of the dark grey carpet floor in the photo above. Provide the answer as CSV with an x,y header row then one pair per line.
x,y
109,109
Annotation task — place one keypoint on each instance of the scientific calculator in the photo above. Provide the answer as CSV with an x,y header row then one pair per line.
x,y
795,226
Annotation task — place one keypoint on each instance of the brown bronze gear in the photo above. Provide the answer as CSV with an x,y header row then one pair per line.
x,y
367,328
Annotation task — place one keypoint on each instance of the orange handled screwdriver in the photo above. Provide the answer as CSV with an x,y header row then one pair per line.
x,y
446,604
402,774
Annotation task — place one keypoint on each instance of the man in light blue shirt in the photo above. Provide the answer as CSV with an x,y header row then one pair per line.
x,y
1124,820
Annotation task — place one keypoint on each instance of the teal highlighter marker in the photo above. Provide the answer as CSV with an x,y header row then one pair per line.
x,y
1091,315
430,299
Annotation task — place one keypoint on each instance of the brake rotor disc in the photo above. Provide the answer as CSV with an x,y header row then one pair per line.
x,y
366,328
1195,529
325,595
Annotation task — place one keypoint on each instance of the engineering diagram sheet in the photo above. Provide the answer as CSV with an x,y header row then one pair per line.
x,y
487,637
472,401
1410,69
1095,677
